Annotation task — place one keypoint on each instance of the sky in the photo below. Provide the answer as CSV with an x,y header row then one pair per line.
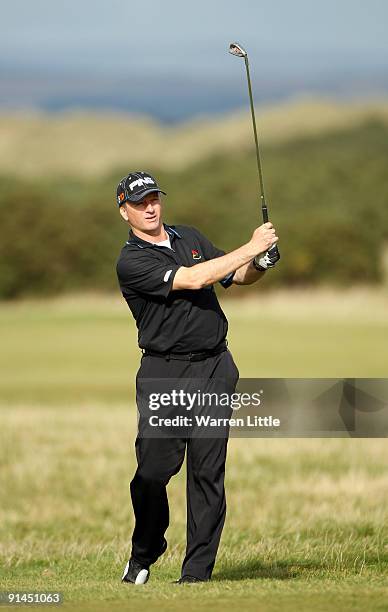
x,y
172,39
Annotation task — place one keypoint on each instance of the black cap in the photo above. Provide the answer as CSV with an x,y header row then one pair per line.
x,y
135,186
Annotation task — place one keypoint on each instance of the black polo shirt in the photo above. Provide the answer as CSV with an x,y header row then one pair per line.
x,y
171,321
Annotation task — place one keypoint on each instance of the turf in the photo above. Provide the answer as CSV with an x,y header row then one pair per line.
x,y
307,519
81,349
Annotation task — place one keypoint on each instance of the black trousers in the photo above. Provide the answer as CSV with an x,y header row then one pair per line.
x,y
160,458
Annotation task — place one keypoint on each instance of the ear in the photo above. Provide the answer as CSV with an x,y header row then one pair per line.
x,y
123,212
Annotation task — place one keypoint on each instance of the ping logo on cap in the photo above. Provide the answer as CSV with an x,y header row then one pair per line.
x,y
140,182
135,186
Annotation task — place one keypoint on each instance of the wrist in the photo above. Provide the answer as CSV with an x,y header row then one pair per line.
x,y
252,251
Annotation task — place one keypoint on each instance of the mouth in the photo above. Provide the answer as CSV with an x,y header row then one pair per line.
x,y
151,218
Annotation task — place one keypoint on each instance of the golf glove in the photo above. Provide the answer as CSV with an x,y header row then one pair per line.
x,y
268,260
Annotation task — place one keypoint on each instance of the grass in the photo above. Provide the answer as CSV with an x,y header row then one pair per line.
x,y
307,519
81,349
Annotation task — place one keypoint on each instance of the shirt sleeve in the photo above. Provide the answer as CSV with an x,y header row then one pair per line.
x,y
145,274
211,252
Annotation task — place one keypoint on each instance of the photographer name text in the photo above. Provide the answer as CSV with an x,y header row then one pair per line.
x,y
208,421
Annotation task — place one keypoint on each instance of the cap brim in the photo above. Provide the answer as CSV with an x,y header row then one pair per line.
x,y
140,196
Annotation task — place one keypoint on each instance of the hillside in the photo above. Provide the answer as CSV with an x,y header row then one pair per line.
x,y
327,196
88,144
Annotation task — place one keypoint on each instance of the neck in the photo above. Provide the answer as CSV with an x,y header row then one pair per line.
x,y
156,235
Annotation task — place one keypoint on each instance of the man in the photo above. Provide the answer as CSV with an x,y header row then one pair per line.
x,y
166,274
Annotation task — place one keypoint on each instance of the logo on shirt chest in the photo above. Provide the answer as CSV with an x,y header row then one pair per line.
x,y
196,254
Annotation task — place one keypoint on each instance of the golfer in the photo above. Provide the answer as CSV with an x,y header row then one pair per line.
x,y
166,274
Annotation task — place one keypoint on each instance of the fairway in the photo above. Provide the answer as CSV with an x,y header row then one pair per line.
x,y
85,348
306,525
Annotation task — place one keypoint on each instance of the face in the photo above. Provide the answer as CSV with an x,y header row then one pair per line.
x,y
144,216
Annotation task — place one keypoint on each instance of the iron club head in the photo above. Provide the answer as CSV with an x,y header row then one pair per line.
x,y
236,49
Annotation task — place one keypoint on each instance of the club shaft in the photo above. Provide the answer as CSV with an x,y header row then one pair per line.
x,y
261,181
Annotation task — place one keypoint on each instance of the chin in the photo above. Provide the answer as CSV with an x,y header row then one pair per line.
x,y
153,225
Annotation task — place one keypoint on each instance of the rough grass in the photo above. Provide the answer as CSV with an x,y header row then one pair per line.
x,y
307,519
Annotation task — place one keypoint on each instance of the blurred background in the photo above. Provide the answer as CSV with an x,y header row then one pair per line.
x,y
91,90
94,89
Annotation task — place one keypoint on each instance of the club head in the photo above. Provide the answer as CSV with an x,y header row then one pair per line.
x,y
236,49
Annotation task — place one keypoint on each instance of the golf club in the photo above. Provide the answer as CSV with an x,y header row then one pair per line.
x,y
236,49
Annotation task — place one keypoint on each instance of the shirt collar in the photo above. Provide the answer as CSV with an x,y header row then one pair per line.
x,y
142,244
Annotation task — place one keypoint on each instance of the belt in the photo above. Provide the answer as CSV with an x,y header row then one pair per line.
x,y
187,356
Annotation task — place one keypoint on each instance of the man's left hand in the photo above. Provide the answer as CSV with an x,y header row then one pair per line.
x,y
268,260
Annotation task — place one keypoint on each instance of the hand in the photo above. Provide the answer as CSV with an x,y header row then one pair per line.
x,y
268,260
264,237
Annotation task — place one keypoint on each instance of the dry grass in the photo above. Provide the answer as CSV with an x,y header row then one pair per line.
x,y
90,144
306,518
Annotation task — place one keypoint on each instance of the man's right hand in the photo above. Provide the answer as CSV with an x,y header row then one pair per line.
x,y
263,238
208,272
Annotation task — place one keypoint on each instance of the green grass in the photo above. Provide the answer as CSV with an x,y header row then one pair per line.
x,y
85,349
307,519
